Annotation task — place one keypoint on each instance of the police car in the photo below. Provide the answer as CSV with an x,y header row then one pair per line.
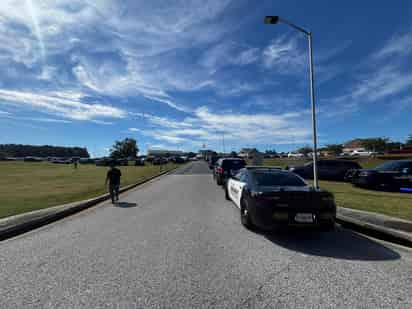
x,y
268,197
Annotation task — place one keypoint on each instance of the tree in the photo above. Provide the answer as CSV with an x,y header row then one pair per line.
x,y
336,149
409,141
375,144
124,149
13,150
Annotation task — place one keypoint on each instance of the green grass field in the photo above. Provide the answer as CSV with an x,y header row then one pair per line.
x,y
27,186
388,203
364,162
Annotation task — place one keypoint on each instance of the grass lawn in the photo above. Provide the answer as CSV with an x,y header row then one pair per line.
x,y
388,203
27,186
364,162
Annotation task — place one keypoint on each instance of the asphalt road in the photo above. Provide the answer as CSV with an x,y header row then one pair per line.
x,y
177,243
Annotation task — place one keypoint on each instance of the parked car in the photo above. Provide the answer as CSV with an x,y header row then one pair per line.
x,y
122,162
362,153
102,162
32,159
392,175
212,161
327,169
295,155
225,166
86,161
139,162
178,160
269,197
109,161
159,161
62,161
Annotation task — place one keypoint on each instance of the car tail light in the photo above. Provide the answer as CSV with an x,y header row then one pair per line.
x,y
219,170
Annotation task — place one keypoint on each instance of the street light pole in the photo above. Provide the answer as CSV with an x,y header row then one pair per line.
x,y
314,134
275,20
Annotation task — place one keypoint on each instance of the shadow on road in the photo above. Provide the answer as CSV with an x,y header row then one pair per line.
x,y
339,244
125,205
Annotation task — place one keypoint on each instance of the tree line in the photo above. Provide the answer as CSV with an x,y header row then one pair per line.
x,y
15,150
376,144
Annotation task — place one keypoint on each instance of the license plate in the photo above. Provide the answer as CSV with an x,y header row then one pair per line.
x,y
304,218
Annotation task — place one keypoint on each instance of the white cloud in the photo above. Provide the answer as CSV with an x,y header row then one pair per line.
x,y
248,56
36,119
169,138
135,130
386,81
168,102
102,122
64,104
381,78
226,54
163,121
285,55
140,33
398,45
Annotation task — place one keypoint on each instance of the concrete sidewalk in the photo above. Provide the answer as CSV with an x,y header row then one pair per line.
x,y
378,225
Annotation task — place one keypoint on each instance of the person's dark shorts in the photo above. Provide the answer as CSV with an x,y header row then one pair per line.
x,y
114,190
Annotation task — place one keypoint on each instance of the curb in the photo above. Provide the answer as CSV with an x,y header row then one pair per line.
x,y
22,223
375,231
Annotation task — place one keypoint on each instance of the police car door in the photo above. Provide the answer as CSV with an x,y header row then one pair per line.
x,y
237,184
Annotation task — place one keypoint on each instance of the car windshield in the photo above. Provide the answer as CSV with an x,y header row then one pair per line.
x,y
214,159
234,164
267,179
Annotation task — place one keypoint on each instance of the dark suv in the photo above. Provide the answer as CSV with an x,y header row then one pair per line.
x,y
393,176
212,161
225,167
327,169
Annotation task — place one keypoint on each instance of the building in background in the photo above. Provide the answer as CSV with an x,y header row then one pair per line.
x,y
206,153
248,153
354,145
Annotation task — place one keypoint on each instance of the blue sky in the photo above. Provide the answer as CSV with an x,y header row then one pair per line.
x,y
180,74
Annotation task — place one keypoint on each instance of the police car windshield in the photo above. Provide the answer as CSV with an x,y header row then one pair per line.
x,y
272,178
234,164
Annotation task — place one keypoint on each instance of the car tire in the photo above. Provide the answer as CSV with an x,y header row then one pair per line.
x,y
219,181
227,193
245,215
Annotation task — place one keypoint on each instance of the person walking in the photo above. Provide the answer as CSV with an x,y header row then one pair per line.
x,y
113,178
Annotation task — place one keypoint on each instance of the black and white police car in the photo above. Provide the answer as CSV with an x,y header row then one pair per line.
x,y
269,197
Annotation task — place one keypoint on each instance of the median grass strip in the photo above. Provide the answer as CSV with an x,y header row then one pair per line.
x,y
27,186
346,195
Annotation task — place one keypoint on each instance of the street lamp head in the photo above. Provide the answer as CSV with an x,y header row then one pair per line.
x,y
271,19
